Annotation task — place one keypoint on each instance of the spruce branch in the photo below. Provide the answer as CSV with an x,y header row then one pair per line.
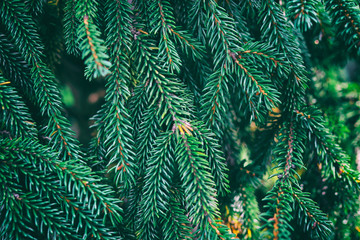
x,y
70,25
15,116
48,217
345,16
159,172
14,67
213,102
276,29
22,28
278,213
90,44
215,155
312,218
303,13
77,180
189,44
118,141
236,10
191,88
35,7
176,224
334,160
198,185
162,20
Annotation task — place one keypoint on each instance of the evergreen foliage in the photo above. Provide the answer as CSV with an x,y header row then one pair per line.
x,y
188,86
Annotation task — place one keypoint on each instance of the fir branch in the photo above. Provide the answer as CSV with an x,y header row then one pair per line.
x,y
164,89
11,226
149,130
37,211
237,12
251,78
223,34
345,16
156,189
213,102
14,67
215,155
224,37
70,25
46,185
118,37
288,151
77,180
89,41
189,44
138,104
176,224
259,52
22,28
288,155
162,20
273,16
312,218
118,141
35,7
35,180
196,21
15,116
246,107
47,95
276,29
335,161
303,13
167,64
198,185
278,215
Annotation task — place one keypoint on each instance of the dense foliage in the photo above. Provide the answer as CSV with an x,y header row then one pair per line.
x,y
215,121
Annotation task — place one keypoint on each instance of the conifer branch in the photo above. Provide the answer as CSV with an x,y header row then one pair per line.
x,y
161,16
313,218
236,11
15,115
75,179
191,87
70,25
33,207
149,129
14,67
47,94
334,160
89,41
279,212
345,16
188,43
176,224
303,12
49,190
276,29
118,140
159,172
215,155
200,196
213,102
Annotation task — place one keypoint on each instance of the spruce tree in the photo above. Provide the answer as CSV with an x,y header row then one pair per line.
x,y
188,85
